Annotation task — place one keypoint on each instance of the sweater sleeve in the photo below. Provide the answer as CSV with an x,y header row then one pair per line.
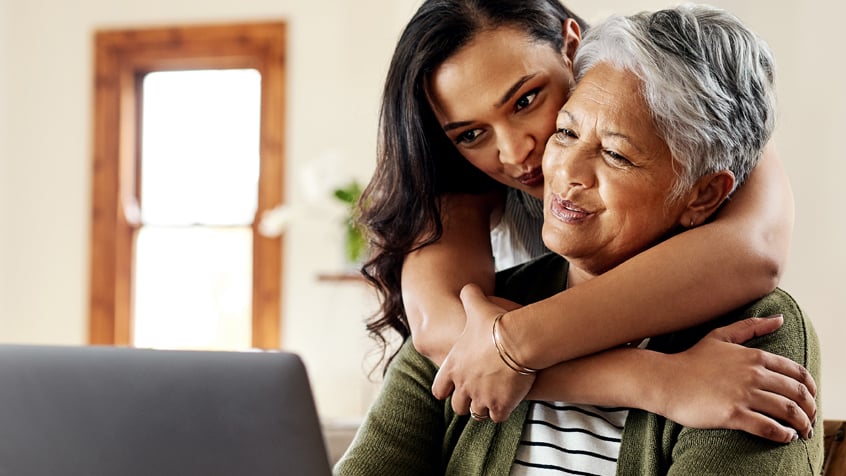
x,y
402,432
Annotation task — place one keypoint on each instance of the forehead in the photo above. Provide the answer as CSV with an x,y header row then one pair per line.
x,y
614,96
486,67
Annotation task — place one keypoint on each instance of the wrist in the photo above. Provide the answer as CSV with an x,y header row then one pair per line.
x,y
502,348
660,385
534,340
641,379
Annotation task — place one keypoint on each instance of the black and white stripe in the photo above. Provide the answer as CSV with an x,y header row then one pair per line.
x,y
561,438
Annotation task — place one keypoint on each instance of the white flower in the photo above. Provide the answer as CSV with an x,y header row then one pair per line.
x,y
274,221
321,176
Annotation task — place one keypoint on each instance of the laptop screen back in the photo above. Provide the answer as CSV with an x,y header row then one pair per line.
x,y
117,411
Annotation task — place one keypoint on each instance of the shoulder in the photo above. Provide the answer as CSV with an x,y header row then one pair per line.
x,y
698,451
795,339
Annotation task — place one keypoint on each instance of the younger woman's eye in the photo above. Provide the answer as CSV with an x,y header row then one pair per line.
x,y
526,100
468,137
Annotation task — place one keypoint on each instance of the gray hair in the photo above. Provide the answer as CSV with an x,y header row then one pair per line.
x,y
706,78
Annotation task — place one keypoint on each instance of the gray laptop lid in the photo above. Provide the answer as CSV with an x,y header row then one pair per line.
x,y
121,412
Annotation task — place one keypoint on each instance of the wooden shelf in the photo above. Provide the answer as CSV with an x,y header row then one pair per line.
x,y
344,276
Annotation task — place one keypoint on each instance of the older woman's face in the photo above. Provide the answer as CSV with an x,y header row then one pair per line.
x,y
608,175
497,99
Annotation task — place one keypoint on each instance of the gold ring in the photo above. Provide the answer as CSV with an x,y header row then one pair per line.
x,y
477,416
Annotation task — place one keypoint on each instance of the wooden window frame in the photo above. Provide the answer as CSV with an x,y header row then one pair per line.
x,y
122,58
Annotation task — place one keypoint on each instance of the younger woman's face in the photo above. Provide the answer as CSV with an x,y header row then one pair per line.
x,y
497,99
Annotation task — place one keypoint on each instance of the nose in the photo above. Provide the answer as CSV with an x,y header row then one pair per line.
x,y
515,146
570,165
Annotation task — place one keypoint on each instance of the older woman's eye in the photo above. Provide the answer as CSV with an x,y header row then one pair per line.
x,y
564,133
468,137
617,158
526,100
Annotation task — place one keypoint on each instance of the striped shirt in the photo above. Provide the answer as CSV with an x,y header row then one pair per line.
x,y
517,237
560,439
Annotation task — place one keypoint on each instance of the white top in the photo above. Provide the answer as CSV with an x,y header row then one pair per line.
x,y
517,237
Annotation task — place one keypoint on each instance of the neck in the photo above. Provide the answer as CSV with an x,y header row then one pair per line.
x,y
577,275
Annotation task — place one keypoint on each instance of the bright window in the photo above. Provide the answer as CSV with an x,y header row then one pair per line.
x,y
199,191
187,155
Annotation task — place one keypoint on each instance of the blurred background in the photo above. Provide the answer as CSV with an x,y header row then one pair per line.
x,y
337,55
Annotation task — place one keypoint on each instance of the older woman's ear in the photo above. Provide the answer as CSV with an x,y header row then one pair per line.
x,y
705,198
572,34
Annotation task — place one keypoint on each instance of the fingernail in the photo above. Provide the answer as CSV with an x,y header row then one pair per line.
x,y
811,434
795,436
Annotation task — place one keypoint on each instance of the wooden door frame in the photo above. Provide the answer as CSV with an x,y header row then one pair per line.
x,y
122,58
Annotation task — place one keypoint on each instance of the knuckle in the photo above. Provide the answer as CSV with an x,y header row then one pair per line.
x,y
759,357
802,392
733,413
772,432
792,410
757,374
803,373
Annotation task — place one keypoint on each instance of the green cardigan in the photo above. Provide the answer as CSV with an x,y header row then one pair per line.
x,y
409,432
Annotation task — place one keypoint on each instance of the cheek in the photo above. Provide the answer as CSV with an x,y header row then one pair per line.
x,y
633,206
483,159
641,217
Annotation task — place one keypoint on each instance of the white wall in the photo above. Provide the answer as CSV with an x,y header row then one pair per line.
x,y
339,51
4,187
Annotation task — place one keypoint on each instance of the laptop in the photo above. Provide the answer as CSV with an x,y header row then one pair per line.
x,y
110,411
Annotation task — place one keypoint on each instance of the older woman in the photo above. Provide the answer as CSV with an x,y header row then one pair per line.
x,y
671,112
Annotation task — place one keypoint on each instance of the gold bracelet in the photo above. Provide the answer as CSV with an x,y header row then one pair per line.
x,y
504,355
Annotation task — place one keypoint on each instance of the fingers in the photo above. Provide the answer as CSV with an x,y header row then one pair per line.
x,y
782,409
479,416
443,385
792,386
471,294
761,425
781,390
741,331
795,389
499,414
795,371
461,404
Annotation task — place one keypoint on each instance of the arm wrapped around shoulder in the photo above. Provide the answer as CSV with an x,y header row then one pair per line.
x,y
654,445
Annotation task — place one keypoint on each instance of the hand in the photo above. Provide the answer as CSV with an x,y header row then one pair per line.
x,y
720,384
473,371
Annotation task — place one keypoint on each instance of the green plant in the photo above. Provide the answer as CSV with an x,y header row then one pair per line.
x,y
355,245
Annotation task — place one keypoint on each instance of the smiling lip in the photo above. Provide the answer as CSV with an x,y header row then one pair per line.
x,y
567,211
532,179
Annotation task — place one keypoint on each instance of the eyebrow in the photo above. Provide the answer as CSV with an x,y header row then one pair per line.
x,y
619,135
504,99
513,89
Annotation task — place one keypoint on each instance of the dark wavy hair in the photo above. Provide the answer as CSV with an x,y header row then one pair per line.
x,y
416,162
